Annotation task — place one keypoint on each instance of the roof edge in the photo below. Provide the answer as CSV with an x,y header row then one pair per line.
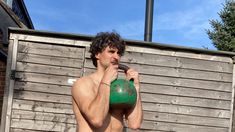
x,y
129,42
12,15
22,4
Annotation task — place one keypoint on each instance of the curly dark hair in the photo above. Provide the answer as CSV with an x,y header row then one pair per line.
x,y
103,40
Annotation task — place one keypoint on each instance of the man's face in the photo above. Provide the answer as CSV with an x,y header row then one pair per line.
x,y
109,56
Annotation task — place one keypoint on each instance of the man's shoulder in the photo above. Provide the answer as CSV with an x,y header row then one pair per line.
x,y
82,85
83,81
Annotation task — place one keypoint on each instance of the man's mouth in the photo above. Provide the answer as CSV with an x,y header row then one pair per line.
x,y
114,62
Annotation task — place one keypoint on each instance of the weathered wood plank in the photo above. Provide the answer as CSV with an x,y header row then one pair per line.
x,y
181,62
51,50
44,78
10,89
179,82
53,40
173,127
44,116
23,130
161,117
153,98
136,48
171,52
186,101
176,109
42,106
232,119
147,88
184,91
7,91
206,65
50,60
42,125
191,83
174,72
47,69
179,119
156,51
185,119
173,61
39,87
37,96
170,61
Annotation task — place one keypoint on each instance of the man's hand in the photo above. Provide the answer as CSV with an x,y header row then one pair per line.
x,y
132,74
111,73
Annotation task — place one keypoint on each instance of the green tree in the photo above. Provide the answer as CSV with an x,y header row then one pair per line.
x,y
223,32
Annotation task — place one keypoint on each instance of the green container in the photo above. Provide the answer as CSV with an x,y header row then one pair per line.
x,y
122,94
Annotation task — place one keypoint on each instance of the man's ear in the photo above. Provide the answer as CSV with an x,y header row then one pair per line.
x,y
97,56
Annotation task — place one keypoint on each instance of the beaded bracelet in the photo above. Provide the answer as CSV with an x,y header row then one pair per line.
x,y
105,84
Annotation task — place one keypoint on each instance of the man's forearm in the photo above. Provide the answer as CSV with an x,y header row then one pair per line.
x,y
99,107
135,115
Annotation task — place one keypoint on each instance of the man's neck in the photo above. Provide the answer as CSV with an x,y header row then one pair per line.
x,y
99,73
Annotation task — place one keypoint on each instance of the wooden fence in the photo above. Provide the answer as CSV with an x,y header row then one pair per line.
x,y
182,89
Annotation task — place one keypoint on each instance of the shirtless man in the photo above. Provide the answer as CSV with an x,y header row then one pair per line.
x,y
91,93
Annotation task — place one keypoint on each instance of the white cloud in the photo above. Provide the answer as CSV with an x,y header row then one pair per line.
x,y
176,20
132,29
191,21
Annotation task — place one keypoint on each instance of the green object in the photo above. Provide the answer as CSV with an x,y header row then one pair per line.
x,y
222,30
122,94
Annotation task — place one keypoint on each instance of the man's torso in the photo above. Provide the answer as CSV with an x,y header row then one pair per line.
x,y
112,123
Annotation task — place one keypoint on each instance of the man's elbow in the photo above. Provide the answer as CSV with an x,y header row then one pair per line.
x,y
135,126
97,123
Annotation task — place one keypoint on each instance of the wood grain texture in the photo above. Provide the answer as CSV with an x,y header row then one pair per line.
x,y
181,91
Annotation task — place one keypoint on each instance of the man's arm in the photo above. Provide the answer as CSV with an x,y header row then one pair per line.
x,y
93,106
134,116
93,102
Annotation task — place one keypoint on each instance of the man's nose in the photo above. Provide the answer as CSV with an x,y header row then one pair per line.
x,y
117,56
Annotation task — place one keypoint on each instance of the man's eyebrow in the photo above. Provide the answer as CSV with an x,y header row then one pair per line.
x,y
113,49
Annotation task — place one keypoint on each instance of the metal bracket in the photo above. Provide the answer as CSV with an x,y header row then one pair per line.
x,y
13,73
233,58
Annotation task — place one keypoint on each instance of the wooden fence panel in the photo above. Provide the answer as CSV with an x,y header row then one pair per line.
x,y
182,89
181,93
42,90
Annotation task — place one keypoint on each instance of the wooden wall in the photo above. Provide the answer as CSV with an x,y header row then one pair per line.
x,y
181,90
42,93
2,81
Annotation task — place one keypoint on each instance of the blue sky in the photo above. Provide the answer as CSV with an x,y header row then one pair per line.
x,y
177,22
